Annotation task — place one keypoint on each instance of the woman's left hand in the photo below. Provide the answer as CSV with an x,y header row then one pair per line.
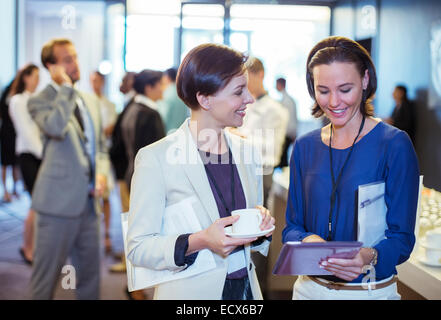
x,y
348,269
267,220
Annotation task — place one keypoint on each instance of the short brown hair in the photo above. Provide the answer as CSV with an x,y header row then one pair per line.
x,y
254,65
341,49
206,69
47,53
145,78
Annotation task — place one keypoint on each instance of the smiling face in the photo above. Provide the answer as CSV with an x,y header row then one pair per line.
x,y
227,106
97,83
338,91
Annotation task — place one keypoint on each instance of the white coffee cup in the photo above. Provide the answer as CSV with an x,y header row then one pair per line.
x,y
433,255
433,238
249,221
432,246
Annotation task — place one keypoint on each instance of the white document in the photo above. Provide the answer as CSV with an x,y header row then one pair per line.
x,y
179,218
417,222
372,211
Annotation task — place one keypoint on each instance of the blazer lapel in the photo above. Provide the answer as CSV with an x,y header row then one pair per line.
x,y
76,123
78,128
195,171
53,92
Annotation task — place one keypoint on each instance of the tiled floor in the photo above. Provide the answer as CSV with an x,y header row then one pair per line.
x,y
15,274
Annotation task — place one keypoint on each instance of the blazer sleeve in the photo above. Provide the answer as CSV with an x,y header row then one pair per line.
x,y
145,245
52,116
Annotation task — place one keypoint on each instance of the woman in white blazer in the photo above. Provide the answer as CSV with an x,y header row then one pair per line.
x,y
183,171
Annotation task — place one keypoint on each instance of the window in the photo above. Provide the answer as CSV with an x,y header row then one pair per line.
x,y
281,36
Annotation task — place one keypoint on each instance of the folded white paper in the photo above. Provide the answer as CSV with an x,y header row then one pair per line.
x,y
372,211
179,218
417,222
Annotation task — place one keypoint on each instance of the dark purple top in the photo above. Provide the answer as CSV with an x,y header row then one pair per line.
x,y
220,169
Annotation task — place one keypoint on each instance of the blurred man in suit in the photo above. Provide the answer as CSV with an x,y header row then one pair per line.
x,y
404,114
265,123
265,126
71,177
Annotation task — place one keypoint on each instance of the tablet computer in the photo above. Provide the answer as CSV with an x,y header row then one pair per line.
x,y
298,258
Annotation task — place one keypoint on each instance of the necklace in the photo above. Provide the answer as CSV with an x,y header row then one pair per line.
x,y
336,183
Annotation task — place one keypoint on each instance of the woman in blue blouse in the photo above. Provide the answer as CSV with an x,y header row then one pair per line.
x,y
329,164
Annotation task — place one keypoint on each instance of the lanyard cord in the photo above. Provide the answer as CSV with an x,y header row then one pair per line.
x,y
219,193
334,183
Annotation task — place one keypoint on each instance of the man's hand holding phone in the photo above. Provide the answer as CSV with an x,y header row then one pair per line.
x,y
59,75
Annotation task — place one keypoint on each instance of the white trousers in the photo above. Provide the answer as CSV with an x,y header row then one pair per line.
x,y
306,289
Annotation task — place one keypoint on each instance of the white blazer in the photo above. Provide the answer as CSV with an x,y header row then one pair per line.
x,y
171,170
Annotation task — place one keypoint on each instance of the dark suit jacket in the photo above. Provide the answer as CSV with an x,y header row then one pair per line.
x,y
148,128
117,152
404,118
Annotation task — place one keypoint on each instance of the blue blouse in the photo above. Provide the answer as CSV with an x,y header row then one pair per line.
x,y
384,154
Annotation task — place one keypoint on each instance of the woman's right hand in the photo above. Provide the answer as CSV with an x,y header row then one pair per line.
x,y
214,238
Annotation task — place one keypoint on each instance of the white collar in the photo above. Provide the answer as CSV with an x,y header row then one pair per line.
x,y
129,96
142,99
55,85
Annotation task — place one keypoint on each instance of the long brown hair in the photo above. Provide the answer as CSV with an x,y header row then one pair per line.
x,y
341,49
18,86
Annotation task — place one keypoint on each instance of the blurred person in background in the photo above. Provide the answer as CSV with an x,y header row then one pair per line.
x,y
117,151
108,118
29,147
8,157
118,156
71,179
172,108
265,122
288,102
142,125
265,126
404,114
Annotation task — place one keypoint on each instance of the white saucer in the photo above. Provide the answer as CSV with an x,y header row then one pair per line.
x,y
429,263
230,233
425,245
